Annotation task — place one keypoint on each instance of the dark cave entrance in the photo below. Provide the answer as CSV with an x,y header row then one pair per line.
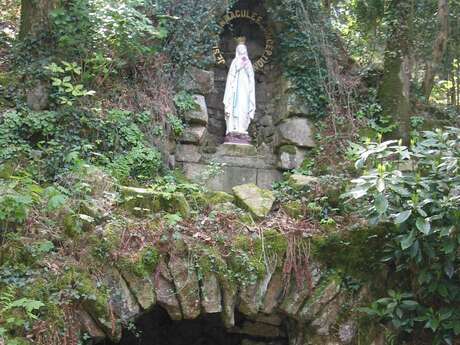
x,y
156,328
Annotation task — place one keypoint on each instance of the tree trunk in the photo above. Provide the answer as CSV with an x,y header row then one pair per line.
x,y
393,91
439,47
35,17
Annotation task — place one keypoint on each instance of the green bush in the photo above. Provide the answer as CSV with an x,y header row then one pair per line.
x,y
415,193
141,163
50,143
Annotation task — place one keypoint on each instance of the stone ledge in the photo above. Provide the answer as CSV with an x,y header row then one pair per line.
x,y
232,176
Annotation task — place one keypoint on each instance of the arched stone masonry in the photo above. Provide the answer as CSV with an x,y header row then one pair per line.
x,y
314,310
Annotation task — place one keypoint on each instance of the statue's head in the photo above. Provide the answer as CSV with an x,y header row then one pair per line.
x,y
241,50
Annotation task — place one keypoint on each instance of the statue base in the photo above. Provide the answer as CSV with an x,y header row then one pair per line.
x,y
237,138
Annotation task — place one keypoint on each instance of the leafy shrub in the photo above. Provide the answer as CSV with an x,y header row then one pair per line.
x,y
141,163
17,196
416,193
176,124
64,79
105,27
52,142
184,102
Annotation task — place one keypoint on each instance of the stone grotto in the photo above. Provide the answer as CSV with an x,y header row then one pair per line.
x,y
281,132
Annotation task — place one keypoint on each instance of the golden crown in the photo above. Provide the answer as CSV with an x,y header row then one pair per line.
x,y
240,40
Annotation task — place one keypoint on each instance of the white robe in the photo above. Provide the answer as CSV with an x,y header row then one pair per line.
x,y
239,98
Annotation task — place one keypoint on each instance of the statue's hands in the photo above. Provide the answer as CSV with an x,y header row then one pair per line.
x,y
227,115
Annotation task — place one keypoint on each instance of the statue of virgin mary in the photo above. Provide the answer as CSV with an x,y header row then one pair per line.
x,y
239,98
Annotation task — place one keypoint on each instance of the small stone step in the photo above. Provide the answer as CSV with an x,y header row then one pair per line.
x,y
237,150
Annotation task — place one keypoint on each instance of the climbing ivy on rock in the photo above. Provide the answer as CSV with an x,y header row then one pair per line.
x,y
300,42
194,31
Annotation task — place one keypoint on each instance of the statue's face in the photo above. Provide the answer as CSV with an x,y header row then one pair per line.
x,y
241,50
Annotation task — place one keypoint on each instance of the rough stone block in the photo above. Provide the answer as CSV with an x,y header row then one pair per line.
x,y
166,293
251,296
295,105
274,292
200,114
299,182
237,150
188,153
256,200
88,325
229,295
347,332
321,297
295,297
217,197
140,198
230,176
124,304
295,131
186,283
256,329
193,135
199,81
290,157
142,288
272,319
266,177
210,290
38,97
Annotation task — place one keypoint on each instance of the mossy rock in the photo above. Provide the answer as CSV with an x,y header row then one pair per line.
x,y
215,198
327,290
6,170
92,210
294,208
137,200
237,150
176,203
140,198
357,252
333,187
256,200
198,199
290,149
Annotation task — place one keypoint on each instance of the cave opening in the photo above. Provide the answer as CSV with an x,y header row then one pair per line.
x,y
155,327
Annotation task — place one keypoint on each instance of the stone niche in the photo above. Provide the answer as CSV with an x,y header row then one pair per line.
x,y
281,132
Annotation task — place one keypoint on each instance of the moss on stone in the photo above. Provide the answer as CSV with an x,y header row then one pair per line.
x,y
215,198
272,242
290,149
293,208
254,199
176,203
357,252
142,264
300,182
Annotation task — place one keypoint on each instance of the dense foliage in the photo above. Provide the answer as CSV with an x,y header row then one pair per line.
x,y
415,193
